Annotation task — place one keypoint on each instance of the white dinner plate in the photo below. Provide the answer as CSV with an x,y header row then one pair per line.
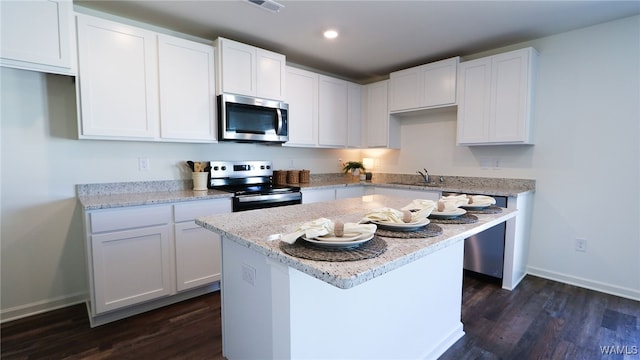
x,y
447,214
402,226
476,206
343,238
360,239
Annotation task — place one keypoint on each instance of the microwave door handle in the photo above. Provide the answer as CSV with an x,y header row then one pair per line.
x,y
279,121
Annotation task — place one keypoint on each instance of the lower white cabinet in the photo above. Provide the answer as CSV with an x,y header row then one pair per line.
x,y
144,257
411,194
349,192
318,195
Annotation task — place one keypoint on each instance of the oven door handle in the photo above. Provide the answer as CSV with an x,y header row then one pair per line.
x,y
254,198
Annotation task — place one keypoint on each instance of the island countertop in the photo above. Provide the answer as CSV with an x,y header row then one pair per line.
x,y
260,230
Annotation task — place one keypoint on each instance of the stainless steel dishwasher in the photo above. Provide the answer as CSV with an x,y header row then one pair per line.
x,y
484,252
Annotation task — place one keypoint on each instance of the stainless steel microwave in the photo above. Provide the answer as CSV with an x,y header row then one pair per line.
x,y
243,118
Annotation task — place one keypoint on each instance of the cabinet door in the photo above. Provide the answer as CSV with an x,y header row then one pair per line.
x,y
38,35
510,97
318,195
439,83
302,98
474,105
238,69
382,129
404,89
187,89
354,115
130,267
410,194
332,112
118,80
270,75
198,256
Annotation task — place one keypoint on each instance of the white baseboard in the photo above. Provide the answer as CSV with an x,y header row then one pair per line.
x,y
624,292
18,312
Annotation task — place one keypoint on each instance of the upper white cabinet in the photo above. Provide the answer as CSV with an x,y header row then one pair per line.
x,y
382,130
354,116
251,71
323,111
38,35
135,84
422,87
302,98
332,112
187,87
495,99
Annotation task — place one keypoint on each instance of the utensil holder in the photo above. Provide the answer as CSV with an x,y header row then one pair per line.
x,y
199,180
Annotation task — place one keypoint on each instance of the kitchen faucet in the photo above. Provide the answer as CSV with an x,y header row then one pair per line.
x,y
424,175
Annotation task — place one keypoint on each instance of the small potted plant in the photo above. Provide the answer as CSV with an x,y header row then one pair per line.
x,y
354,167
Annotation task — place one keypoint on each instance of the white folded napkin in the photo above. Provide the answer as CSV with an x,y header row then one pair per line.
x,y
424,208
323,226
481,200
451,202
384,214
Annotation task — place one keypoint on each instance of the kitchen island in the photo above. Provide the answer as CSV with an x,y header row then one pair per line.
x,y
404,303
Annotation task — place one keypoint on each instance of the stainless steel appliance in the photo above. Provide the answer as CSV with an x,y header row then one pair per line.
x,y
484,252
251,183
250,119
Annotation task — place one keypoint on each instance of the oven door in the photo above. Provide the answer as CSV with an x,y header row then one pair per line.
x,y
262,201
252,119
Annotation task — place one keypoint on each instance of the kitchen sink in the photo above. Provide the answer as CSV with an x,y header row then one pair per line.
x,y
418,183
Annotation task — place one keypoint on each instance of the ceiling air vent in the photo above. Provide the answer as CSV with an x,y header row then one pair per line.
x,y
267,5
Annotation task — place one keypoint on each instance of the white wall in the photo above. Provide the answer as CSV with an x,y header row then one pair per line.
x,y
42,260
585,159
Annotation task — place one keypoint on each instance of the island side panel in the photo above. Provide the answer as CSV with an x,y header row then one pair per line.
x,y
516,249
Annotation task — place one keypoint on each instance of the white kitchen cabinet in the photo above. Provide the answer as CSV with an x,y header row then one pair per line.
x,y
382,130
350,192
187,87
198,257
427,86
354,116
302,98
118,76
495,99
144,257
247,70
332,111
318,195
133,83
323,111
130,257
38,35
410,194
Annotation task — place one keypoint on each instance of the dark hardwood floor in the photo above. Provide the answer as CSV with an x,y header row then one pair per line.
x,y
541,319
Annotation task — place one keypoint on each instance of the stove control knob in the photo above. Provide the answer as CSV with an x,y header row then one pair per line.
x,y
261,167
215,168
223,168
268,167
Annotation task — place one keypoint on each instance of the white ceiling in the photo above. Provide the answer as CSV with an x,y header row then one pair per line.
x,y
376,37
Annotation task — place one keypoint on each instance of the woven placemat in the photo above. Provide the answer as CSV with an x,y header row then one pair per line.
x,y
488,210
307,250
462,219
428,231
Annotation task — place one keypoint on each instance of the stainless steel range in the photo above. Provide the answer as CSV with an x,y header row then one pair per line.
x,y
251,183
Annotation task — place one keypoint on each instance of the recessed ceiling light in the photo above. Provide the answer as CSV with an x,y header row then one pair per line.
x,y
330,34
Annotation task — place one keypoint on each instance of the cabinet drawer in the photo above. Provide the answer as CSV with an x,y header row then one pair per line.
x,y
129,218
190,210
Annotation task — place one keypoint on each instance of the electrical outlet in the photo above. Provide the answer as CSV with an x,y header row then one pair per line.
x,y
581,245
143,164
249,274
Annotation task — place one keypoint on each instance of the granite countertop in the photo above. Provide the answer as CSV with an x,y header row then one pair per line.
x,y
257,229
113,195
